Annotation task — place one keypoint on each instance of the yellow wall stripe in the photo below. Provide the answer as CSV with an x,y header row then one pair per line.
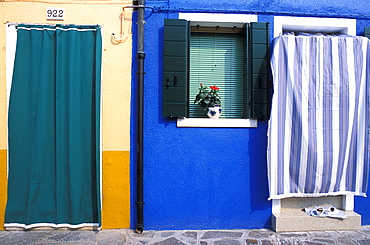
x,y
3,186
116,190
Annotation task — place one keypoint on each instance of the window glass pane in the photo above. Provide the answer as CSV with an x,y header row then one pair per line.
x,y
217,59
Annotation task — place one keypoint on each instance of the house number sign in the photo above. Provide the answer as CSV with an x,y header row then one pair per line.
x,y
54,13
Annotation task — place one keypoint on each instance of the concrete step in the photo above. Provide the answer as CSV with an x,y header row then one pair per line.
x,y
298,220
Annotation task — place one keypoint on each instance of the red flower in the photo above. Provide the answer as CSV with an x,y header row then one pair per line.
x,y
214,87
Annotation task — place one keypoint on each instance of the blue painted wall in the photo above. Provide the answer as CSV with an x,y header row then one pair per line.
x,y
202,178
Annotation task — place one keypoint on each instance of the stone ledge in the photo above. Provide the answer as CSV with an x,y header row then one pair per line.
x,y
297,220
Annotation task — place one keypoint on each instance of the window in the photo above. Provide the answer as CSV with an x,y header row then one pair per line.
x,y
249,59
217,59
367,32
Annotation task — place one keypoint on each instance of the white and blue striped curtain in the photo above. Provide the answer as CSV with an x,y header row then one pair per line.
x,y
318,136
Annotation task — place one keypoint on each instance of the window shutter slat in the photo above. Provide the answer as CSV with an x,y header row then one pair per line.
x,y
246,72
175,68
256,74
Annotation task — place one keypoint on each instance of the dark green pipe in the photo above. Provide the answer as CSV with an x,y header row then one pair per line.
x,y
140,55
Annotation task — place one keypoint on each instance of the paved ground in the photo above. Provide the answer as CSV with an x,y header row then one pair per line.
x,y
201,237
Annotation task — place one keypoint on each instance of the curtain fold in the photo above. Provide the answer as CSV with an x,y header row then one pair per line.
x,y
318,136
54,128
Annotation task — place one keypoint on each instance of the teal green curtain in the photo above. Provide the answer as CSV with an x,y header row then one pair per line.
x,y
53,123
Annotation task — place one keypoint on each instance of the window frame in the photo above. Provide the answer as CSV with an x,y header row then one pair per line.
x,y
235,36
223,20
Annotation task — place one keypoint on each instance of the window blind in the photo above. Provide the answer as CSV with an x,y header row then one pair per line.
x,y
217,59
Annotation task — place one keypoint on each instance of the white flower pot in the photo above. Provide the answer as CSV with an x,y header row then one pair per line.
x,y
214,112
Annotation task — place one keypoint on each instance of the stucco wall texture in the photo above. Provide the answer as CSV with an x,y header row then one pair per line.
x,y
116,94
205,178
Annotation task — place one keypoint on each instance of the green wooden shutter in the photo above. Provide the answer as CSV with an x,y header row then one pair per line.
x,y
256,86
175,68
367,32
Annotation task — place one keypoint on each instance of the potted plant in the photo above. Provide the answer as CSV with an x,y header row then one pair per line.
x,y
209,100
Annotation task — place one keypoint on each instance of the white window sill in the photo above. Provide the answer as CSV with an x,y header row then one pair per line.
x,y
216,123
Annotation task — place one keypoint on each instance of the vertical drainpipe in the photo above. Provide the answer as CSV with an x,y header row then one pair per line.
x,y
140,56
